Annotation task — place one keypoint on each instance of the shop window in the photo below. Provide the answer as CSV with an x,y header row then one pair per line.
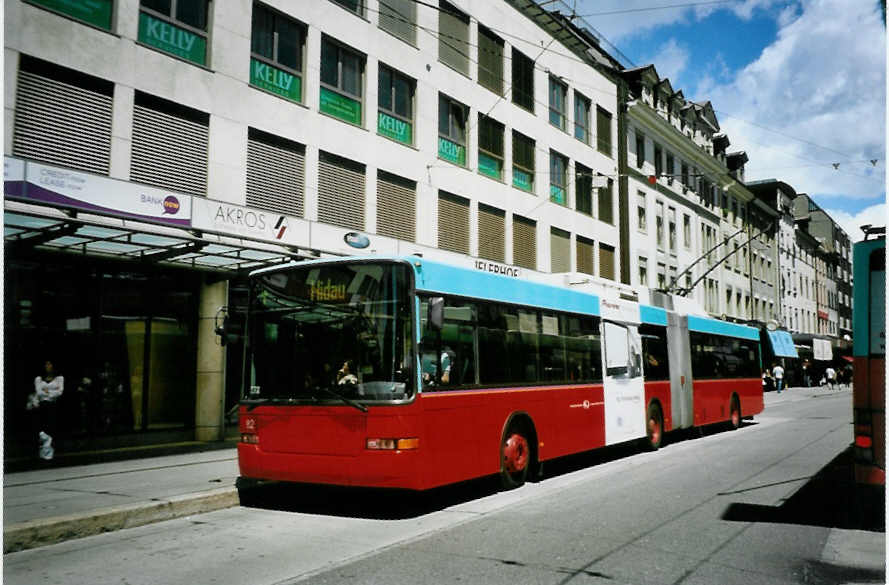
x,y
395,115
96,13
342,82
399,17
523,151
453,37
522,81
177,27
62,117
558,178
452,117
169,147
490,147
275,173
277,47
490,60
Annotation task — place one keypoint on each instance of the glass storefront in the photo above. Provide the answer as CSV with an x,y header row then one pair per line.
x,y
122,334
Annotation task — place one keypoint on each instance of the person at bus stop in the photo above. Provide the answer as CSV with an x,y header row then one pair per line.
x,y
778,375
48,387
830,377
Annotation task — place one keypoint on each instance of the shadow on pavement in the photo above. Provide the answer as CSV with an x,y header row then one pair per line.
x,y
830,498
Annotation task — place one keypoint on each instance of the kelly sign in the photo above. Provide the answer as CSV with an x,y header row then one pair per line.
x,y
275,80
171,39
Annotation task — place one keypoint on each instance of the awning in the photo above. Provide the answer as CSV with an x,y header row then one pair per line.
x,y
782,344
822,350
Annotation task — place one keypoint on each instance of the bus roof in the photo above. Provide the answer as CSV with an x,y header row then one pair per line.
x,y
717,327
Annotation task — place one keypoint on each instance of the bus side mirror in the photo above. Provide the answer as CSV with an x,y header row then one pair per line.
x,y
435,317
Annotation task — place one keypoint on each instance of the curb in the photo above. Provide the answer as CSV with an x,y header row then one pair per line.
x,y
45,531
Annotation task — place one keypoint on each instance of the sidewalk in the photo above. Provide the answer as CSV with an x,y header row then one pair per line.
x,y
52,505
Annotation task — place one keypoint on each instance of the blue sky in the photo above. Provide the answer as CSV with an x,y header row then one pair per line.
x,y
800,85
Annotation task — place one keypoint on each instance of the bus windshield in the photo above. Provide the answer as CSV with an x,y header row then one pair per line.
x,y
330,333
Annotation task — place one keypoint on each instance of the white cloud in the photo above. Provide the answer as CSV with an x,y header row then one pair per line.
x,y
822,80
670,59
875,215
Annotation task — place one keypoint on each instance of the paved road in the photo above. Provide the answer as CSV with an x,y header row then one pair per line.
x,y
732,507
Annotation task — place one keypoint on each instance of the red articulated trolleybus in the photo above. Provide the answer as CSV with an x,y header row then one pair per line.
x,y
409,373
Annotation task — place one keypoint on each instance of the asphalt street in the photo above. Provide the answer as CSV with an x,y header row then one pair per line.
x,y
759,505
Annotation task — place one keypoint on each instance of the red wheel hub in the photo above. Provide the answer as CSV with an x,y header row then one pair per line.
x,y
515,453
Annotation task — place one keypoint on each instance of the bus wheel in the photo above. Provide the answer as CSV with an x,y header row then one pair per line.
x,y
515,457
655,427
735,410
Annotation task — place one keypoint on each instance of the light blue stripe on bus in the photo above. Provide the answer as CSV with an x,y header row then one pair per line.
x,y
704,325
653,315
445,279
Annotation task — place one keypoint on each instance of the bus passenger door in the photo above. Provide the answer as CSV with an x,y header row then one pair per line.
x,y
681,386
625,416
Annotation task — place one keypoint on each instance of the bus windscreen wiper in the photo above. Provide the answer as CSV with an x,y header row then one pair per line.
x,y
348,401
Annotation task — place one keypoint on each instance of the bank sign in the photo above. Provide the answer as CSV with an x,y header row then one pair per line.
x,y
35,182
220,217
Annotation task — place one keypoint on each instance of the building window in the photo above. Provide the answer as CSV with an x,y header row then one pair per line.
x,y
643,271
522,162
603,131
640,149
585,255
177,27
399,17
659,224
558,112
276,59
491,233
583,189
453,223
275,173
490,60
452,130
606,203
395,115
522,81
684,177
524,242
490,147
341,187
453,37
670,170
342,79
396,206
606,261
560,250
96,13
641,211
671,229
356,6
558,178
658,160
686,230
581,118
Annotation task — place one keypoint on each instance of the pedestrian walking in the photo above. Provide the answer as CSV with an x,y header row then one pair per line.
x,y
48,388
778,375
830,376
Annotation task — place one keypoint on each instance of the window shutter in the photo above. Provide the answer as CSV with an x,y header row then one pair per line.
x,y
275,174
62,123
453,38
606,261
169,150
490,61
560,250
396,207
453,223
524,242
585,255
340,192
491,233
399,17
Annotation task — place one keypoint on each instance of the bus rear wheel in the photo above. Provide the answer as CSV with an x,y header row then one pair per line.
x,y
655,427
515,457
735,413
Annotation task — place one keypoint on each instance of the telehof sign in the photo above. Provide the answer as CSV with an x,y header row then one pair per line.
x,y
91,193
234,220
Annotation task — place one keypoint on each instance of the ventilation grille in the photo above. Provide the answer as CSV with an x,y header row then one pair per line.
x,y
560,251
491,233
169,151
396,207
340,192
62,124
453,223
275,177
524,242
